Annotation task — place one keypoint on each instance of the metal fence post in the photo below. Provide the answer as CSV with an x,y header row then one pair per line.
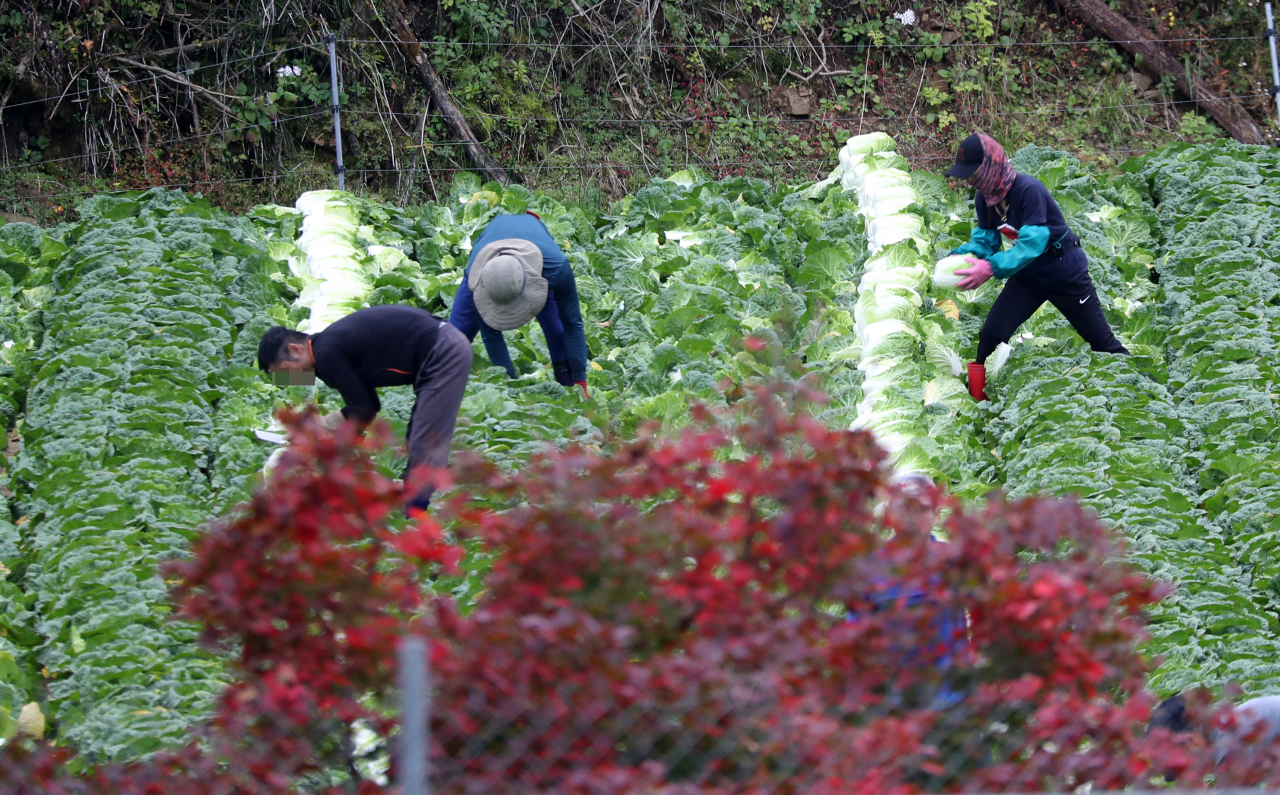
x,y
1275,65
337,121
415,696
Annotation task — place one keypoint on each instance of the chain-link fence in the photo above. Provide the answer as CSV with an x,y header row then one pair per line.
x,y
747,735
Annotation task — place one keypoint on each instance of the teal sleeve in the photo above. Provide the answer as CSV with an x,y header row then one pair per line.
x,y
1032,241
983,242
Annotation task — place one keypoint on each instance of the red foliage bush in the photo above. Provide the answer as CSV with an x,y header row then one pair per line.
x,y
671,618
681,604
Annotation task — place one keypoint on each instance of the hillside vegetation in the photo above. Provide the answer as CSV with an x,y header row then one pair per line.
x,y
584,101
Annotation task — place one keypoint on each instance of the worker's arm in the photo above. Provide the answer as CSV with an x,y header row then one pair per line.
x,y
361,400
984,240
564,289
496,346
1031,243
982,243
334,420
1033,236
553,330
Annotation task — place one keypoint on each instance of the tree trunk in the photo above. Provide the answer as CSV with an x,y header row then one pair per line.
x,y
453,117
1159,62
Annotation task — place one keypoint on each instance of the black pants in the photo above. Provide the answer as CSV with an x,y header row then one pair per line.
x,y
1076,299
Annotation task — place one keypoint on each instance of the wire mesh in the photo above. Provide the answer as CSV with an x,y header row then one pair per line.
x,y
748,734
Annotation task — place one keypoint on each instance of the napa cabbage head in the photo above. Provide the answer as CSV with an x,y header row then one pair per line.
x,y
869,143
941,355
891,200
999,358
891,258
913,278
884,375
886,302
888,181
948,391
889,339
944,273
890,229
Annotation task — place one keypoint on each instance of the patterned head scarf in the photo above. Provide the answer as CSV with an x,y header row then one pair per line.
x,y
995,176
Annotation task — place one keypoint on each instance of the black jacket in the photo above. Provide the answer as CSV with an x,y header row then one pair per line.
x,y
378,346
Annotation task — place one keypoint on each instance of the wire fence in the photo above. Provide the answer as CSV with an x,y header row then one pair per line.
x,y
817,167
748,120
80,94
859,46
734,734
404,168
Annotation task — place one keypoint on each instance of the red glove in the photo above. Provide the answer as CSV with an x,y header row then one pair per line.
x,y
583,384
975,276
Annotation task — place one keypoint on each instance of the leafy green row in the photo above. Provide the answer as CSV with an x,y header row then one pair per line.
x,y
1116,432
1219,215
119,443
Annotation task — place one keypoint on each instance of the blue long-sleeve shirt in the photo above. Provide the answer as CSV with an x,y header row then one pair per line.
x,y
561,318
946,640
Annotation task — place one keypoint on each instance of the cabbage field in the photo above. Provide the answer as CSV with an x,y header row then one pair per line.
x,y
129,388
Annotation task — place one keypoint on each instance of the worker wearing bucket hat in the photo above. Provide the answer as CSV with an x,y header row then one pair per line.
x,y
517,273
506,283
1044,260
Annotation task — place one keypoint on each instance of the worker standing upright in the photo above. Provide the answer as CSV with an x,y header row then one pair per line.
x,y
1045,261
376,347
517,272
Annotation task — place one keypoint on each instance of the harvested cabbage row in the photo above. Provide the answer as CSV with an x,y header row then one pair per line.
x,y
913,396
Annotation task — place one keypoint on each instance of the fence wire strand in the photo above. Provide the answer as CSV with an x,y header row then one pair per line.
x,y
74,96
859,47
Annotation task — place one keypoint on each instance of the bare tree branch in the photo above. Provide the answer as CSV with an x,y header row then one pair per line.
x,y
214,97
1161,63
185,48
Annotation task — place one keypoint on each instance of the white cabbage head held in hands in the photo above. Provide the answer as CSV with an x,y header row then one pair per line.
x,y
945,276
976,274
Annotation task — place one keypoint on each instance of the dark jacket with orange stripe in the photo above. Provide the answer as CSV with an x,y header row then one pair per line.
x,y
378,346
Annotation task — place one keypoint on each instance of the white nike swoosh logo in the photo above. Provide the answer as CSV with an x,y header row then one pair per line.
x,y
1086,298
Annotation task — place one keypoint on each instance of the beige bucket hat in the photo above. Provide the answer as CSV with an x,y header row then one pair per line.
x,y
506,279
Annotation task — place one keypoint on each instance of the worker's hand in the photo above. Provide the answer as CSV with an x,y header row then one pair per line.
x,y
333,420
583,384
976,275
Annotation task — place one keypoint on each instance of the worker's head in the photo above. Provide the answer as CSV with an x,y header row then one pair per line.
x,y
913,502
506,279
1171,715
286,354
982,162
968,158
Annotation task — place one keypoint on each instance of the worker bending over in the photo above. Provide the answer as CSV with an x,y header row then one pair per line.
x,y
516,273
376,347
1044,261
